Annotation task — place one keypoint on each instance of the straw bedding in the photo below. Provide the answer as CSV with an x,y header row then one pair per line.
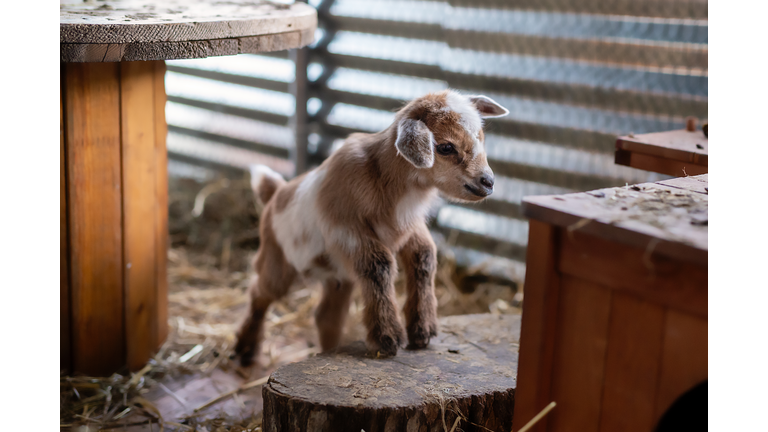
x,y
214,235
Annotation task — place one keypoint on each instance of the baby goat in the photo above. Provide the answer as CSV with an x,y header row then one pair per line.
x,y
343,222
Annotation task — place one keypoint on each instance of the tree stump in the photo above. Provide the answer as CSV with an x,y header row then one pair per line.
x,y
468,372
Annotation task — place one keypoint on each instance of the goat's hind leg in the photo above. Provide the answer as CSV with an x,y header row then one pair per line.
x,y
263,291
251,331
332,312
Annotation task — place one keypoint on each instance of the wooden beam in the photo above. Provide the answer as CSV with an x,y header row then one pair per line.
x,y
161,200
631,364
537,337
684,361
299,121
658,279
579,355
65,361
92,104
139,207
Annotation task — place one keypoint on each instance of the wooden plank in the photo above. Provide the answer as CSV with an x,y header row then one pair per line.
x,y
542,287
161,199
139,207
684,361
631,366
698,183
147,51
659,164
670,218
119,22
679,145
641,272
92,104
300,120
64,304
189,391
580,349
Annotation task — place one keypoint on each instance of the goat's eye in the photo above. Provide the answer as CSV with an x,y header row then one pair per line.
x,y
446,149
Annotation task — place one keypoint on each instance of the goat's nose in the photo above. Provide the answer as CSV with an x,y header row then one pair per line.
x,y
487,180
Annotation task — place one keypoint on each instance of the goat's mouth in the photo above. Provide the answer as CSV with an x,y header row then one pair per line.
x,y
476,191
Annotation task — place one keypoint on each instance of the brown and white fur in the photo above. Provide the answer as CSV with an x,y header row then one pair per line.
x,y
344,222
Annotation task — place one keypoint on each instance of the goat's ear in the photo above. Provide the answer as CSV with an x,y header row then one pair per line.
x,y
415,142
488,107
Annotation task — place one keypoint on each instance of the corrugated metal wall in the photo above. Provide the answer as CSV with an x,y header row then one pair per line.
x,y
574,74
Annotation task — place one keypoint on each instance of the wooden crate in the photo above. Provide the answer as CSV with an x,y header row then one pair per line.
x,y
615,315
676,153
114,210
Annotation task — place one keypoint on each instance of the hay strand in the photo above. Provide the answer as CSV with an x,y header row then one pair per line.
x,y
223,396
455,424
538,417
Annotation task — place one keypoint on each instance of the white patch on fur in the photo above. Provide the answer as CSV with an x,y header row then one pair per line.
x,y
300,217
414,206
469,116
258,172
343,238
469,119
478,148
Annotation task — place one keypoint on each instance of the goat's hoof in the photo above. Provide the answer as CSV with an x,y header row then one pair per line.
x,y
247,358
385,346
419,336
418,343
246,353
246,361
388,347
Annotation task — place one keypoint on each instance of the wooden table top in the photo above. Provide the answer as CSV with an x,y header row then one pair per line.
x,y
679,147
669,217
129,30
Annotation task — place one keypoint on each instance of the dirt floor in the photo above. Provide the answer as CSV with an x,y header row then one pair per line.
x,y
214,235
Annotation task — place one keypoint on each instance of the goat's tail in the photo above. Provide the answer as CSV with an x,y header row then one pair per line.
x,y
265,182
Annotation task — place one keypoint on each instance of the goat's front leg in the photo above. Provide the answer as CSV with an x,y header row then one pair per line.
x,y
375,270
419,259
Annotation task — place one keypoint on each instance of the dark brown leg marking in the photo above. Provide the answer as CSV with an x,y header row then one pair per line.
x,y
276,276
251,331
375,268
419,259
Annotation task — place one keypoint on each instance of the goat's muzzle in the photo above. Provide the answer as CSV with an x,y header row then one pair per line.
x,y
482,186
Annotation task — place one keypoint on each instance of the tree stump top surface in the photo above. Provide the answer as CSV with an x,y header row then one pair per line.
x,y
129,30
473,355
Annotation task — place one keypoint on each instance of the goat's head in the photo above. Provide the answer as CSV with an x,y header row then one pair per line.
x,y
441,134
